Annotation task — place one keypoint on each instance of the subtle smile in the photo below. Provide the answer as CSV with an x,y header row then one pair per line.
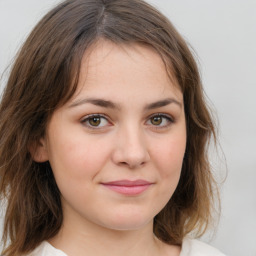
x,y
128,187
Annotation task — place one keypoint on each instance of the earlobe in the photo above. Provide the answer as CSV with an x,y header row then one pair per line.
x,y
38,151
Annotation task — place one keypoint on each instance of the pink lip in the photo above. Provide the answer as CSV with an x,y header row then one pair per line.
x,y
128,187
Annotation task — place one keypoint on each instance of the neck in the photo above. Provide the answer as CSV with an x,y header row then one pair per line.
x,y
79,237
92,239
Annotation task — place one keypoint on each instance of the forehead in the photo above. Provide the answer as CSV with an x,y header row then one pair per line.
x,y
137,67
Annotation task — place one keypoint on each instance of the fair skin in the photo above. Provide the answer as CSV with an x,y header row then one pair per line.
x,y
116,151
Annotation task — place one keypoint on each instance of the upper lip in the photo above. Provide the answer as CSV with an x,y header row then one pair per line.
x,y
128,183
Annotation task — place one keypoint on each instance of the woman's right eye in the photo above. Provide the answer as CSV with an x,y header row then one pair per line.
x,y
95,121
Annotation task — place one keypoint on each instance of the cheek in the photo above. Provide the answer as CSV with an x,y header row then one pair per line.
x,y
76,166
168,159
77,159
169,156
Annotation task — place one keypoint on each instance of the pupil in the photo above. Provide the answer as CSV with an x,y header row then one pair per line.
x,y
94,121
156,120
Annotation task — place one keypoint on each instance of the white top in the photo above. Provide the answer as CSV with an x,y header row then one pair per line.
x,y
189,248
197,248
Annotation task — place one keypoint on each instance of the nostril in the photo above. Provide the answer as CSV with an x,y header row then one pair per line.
x,y
132,165
131,151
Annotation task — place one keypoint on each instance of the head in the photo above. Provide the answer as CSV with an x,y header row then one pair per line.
x,y
46,76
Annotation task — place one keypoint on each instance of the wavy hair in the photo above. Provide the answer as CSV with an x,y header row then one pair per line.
x,y
45,76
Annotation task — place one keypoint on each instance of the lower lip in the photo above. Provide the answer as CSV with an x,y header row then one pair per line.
x,y
128,190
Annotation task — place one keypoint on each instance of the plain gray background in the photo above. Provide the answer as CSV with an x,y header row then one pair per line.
x,y
223,34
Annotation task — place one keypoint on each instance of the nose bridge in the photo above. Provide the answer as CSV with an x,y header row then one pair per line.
x,y
131,146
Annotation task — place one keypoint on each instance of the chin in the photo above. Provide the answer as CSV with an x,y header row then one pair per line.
x,y
127,222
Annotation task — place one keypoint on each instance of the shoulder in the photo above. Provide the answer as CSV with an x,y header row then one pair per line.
x,y
46,249
191,247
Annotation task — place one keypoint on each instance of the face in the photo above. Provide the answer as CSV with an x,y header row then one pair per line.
x,y
116,148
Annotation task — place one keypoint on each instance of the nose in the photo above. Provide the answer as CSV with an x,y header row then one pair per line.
x,y
131,148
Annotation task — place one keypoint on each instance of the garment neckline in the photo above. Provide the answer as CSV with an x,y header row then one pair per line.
x,y
53,249
50,247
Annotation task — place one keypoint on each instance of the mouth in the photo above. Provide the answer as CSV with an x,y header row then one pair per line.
x,y
128,187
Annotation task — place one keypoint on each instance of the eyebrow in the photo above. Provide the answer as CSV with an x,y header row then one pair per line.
x,y
112,105
162,103
97,102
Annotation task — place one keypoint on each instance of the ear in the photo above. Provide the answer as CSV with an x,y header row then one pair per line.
x,y
38,151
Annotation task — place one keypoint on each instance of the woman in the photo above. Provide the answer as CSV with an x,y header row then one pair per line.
x,y
104,134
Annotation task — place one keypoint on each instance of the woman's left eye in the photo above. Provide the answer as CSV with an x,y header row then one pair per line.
x,y
160,120
95,121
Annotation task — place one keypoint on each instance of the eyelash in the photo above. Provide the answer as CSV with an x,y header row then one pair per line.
x,y
85,121
167,118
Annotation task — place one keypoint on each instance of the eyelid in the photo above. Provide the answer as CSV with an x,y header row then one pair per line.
x,y
87,117
168,117
165,116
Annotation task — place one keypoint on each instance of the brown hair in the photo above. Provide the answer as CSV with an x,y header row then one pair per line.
x,y
45,75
